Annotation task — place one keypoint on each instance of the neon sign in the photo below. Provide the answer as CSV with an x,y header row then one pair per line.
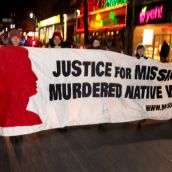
x,y
110,3
50,21
151,15
109,20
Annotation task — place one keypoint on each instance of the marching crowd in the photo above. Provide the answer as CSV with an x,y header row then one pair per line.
x,y
14,38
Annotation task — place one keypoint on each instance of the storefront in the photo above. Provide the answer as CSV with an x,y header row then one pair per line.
x,y
47,27
153,26
107,24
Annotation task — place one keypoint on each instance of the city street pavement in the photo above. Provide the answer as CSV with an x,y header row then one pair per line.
x,y
117,148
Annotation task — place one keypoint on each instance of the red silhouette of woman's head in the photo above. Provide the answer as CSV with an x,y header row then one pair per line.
x,y
17,84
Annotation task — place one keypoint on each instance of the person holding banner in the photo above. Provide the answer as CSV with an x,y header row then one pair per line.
x,y
14,37
140,52
56,41
96,44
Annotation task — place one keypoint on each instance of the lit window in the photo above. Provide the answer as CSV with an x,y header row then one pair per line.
x,y
147,37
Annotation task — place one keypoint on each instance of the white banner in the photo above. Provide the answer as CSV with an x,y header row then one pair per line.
x,y
80,87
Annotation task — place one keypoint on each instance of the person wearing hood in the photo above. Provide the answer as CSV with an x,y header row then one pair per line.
x,y
165,49
14,37
56,40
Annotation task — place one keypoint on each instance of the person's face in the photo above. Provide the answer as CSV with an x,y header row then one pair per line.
x,y
141,51
96,43
57,40
15,40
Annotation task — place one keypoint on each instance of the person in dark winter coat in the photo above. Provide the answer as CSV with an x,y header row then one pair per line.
x,y
164,52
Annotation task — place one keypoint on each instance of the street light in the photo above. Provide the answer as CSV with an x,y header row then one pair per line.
x,y
78,12
12,26
33,16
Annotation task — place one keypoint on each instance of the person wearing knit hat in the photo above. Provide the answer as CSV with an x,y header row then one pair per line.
x,y
15,37
56,40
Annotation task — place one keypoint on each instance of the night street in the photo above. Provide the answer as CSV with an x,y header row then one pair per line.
x,y
118,148
86,86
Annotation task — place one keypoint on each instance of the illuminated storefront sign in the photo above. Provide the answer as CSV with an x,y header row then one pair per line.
x,y
152,14
108,18
110,3
6,20
50,21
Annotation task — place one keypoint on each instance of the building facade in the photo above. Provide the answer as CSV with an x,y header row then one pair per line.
x,y
153,25
55,16
106,21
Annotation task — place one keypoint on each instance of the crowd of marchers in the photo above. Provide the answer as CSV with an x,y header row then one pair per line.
x,y
14,38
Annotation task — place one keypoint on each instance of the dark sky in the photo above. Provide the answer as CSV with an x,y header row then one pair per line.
x,y
20,7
